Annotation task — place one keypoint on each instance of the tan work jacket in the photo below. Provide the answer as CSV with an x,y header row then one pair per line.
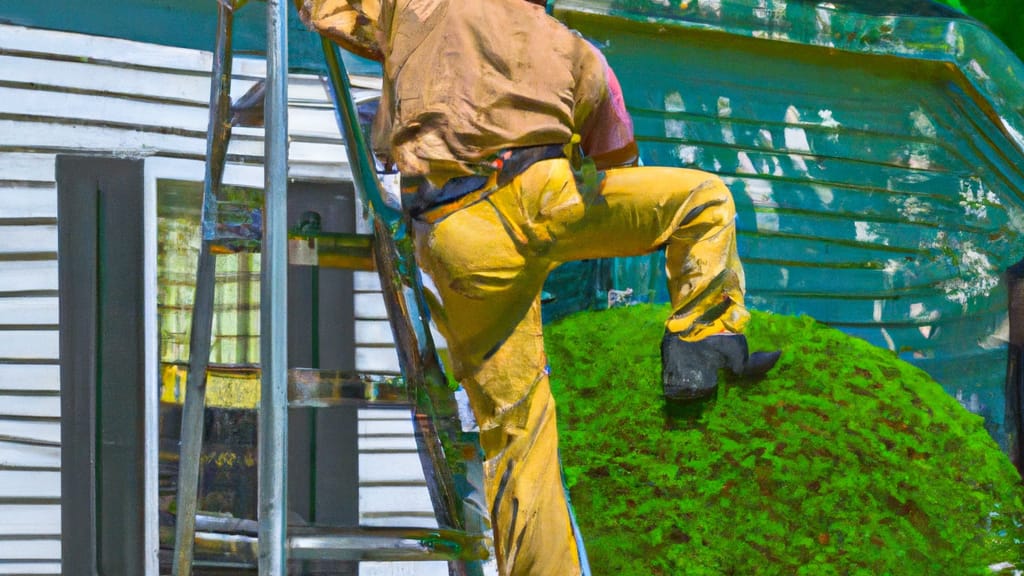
x,y
464,79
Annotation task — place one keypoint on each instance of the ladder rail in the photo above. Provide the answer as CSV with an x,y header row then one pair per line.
x,y
437,415
426,385
218,134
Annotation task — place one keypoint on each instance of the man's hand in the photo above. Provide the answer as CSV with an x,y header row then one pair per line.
x,y
350,23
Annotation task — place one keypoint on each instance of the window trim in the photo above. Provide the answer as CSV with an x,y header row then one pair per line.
x,y
156,169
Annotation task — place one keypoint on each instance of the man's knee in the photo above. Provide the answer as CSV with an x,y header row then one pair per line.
x,y
712,189
711,202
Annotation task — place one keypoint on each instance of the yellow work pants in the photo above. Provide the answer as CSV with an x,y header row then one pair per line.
x,y
488,262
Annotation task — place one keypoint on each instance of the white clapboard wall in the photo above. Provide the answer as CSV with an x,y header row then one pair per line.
x,y
392,485
71,93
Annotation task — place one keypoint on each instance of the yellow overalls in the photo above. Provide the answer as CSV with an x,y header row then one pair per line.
x,y
488,262
462,82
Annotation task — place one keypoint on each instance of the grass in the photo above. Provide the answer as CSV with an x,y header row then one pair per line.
x,y
845,460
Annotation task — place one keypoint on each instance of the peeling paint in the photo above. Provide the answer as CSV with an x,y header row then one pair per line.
x,y
825,194
978,280
711,7
674,128
687,155
863,232
975,198
921,124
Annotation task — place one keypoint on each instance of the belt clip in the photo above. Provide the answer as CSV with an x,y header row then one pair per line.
x,y
499,161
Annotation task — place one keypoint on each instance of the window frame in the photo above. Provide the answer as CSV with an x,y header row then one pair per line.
x,y
156,169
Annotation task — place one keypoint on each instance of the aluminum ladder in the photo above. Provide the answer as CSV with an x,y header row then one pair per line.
x,y
269,543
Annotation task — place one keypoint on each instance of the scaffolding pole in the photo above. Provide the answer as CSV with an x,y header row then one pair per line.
x,y
273,415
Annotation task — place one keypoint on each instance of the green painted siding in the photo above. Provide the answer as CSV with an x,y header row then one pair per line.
x,y
875,162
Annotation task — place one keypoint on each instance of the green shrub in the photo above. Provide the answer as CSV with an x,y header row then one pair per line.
x,y
845,460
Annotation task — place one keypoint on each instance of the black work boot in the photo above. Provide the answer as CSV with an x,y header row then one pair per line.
x,y
689,370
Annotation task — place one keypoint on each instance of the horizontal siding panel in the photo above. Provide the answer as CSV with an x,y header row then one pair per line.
x,y
302,121
22,456
128,142
316,152
861,283
319,172
48,432
42,549
403,521
33,568
390,468
28,166
170,85
101,108
367,331
22,484
27,201
384,414
309,88
371,444
29,310
25,276
14,239
34,406
377,360
29,377
403,569
119,141
365,281
117,50
370,306
127,53
388,427
30,344
377,499
29,519
307,121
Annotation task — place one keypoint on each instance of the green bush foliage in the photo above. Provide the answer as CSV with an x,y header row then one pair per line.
x,y
844,460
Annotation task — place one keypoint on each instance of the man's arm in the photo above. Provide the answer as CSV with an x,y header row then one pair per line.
x,y
353,24
607,133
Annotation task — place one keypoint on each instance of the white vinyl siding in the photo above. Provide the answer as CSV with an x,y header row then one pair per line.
x,y
71,93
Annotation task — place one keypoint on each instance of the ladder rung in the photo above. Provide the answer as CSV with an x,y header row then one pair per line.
x,y
321,388
239,387
226,524
386,544
349,544
331,250
327,250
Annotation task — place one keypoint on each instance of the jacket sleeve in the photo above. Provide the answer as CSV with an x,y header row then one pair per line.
x,y
351,23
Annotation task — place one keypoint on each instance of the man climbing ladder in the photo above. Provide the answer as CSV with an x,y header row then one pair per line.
x,y
506,128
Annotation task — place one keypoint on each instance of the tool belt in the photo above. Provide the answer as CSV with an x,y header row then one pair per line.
x,y
424,201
